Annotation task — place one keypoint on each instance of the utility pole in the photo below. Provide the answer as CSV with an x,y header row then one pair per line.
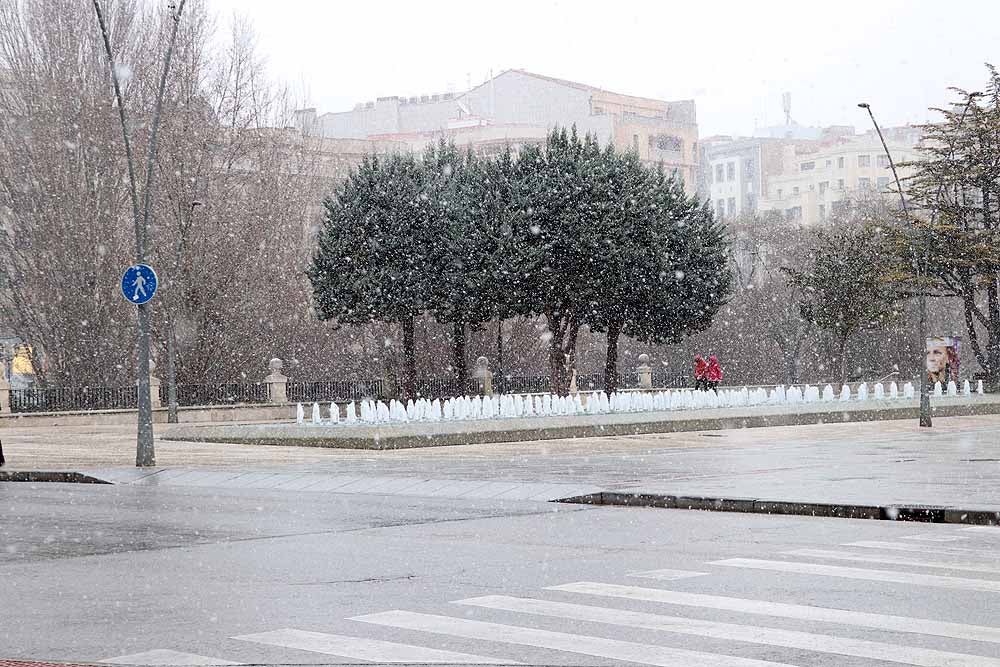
x,y
918,262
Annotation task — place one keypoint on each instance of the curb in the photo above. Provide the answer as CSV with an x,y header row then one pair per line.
x,y
61,476
920,513
439,434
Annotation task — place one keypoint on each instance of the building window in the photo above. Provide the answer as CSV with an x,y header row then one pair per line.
x,y
721,207
779,193
864,183
635,143
882,183
807,166
864,160
829,163
840,163
732,206
731,171
751,203
794,213
720,173
840,184
882,161
823,186
822,212
795,190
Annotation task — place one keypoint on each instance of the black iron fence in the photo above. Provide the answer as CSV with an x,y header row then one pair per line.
x,y
228,393
341,390
64,399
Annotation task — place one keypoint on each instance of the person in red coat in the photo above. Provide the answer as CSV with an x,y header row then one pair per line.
x,y
700,373
714,372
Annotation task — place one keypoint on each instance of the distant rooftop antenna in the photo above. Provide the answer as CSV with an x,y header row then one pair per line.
x,y
786,104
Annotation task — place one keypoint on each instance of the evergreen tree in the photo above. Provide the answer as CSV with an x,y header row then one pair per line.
x,y
554,248
463,252
373,261
956,243
663,274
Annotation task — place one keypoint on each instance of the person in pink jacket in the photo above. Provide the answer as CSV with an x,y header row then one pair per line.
x,y
714,372
700,371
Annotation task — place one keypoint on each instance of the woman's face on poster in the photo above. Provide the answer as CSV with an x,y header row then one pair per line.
x,y
937,358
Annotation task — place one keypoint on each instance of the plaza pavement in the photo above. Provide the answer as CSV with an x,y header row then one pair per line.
x,y
955,464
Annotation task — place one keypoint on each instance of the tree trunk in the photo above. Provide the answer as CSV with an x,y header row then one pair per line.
x,y
611,359
562,348
409,361
843,359
458,348
993,337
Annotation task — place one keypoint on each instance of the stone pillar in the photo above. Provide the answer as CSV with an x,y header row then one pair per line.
x,y
4,393
484,375
572,383
154,386
277,389
645,372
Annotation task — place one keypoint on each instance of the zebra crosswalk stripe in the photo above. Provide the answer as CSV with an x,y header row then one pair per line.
x,y
366,649
164,656
934,549
785,610
667,574
794,639
612,649
894,560
885,576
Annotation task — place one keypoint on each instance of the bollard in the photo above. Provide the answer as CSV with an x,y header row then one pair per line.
x,y
1,454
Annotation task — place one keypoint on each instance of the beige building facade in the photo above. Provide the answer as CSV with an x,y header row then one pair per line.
x,y
816,180
518,108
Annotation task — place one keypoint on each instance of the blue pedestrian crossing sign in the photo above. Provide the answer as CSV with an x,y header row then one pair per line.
x,y
138,284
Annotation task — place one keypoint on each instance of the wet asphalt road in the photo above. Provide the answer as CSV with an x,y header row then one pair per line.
x,y
89,573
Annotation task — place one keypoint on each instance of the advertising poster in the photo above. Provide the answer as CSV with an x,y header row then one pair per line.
x,y
942,358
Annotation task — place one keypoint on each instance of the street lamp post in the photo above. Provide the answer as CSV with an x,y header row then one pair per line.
x,y
925,398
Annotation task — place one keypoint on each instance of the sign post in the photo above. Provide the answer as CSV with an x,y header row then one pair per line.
x,y
138,287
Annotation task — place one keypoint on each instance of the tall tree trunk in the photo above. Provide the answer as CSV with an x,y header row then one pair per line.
x,y
458,341
409,361
611,358
562,350
843,359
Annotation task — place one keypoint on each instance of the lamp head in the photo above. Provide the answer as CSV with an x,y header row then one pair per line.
x,y
863,105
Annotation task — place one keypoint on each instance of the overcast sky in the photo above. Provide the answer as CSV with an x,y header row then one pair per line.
x,y
734,58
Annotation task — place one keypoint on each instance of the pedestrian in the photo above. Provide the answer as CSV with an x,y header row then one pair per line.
x,y
700,371
713,374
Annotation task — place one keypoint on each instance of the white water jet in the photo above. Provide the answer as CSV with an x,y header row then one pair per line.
x,y
351,415
893,390
952,388
938,392
966,388
828,393
979,387
845,393
908,390
879,391
863,392
300,414
317,418
334,413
